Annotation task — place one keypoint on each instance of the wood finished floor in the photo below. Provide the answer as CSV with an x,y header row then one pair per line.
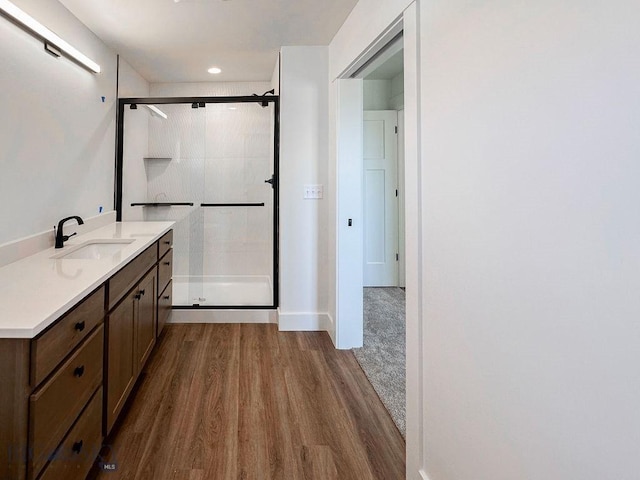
x,y
244,401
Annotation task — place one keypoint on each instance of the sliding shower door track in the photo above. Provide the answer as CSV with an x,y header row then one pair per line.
x,y
224,307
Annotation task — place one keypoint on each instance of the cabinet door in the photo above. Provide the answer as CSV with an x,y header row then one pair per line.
x,y
164,307
146,318
121,363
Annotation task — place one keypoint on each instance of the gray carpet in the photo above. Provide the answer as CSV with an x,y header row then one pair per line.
x,y
383,355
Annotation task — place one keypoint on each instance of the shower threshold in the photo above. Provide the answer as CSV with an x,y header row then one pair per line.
x,y
222,290
222,299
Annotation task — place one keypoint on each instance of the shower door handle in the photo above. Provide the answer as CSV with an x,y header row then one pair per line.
x,y
270,180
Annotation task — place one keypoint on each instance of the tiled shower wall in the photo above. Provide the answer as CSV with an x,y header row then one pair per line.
x,y
218,154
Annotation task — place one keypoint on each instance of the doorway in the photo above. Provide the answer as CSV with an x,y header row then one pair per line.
x,y
382,356
348,302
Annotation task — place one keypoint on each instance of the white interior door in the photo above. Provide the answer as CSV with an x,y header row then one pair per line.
x,y
380,198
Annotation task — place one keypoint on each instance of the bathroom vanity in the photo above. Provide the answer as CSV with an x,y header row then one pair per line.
x,y
77,326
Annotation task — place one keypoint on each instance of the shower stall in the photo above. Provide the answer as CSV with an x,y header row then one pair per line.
x,y
211,165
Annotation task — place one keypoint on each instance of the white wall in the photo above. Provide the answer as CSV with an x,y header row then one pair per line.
x,y
396,101
384,94
303,160
207,89
136,142
130,82
376,94
275,77
527,210
57,136
530,156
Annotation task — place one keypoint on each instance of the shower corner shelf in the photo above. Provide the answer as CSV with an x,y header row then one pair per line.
x,y
166,159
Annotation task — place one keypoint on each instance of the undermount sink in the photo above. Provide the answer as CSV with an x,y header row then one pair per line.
x,y
94,249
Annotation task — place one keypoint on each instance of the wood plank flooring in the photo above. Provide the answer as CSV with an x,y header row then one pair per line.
x,y
244,401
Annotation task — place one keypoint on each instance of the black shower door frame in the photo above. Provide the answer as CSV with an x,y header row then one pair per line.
x,y
260,99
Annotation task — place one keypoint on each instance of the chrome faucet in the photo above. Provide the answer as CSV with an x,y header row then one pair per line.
x,y
60,236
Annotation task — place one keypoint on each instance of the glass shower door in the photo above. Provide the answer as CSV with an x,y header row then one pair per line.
x,y
238,207
175,173
208,167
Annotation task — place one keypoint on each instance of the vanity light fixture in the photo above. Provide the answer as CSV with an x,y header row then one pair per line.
x,y
214,70
157,111
51,40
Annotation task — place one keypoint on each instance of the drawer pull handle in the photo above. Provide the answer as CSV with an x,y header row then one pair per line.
x,y
141,292
79,326
137,296
79,371
167,242
166,297
167,263
77,446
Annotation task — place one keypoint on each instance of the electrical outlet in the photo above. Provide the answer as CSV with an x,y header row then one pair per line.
x,y
313,192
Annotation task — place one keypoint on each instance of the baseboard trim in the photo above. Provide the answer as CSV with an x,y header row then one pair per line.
x,y
223,316
332,329
304,322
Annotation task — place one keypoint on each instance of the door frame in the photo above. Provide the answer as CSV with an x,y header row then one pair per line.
x,y
349,311
119,174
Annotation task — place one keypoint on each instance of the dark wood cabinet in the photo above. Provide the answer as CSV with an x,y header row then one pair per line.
x,y
64,389
146,318
133,324
165,288
121,365
56,404
131,336
81,445
47,383
165,301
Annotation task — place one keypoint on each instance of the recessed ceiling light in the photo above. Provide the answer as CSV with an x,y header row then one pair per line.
x,y
214,70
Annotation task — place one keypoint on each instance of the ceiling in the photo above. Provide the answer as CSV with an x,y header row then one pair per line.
x,y
177,41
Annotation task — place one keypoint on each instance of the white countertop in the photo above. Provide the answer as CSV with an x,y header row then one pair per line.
x,y
37,290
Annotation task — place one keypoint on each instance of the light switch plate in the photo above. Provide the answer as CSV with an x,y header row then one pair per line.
x,y
313,192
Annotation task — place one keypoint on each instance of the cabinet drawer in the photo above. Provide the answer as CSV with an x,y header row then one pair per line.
x,y
164,306
55,406
165,270
52,346
126,278
165,243
77,452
